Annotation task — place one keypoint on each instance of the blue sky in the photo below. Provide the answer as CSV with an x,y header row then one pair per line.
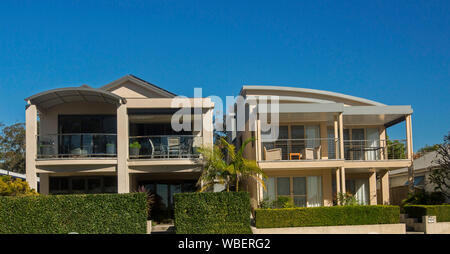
x,y
395,52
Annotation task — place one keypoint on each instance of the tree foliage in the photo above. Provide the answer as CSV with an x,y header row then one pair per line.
x,y
395,149
15,187
226,165
440,176
12,147
426,149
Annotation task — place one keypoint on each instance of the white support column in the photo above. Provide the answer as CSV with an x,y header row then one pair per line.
x,y
383,143
258,140
123,177
336,138
31,145
409,144
341,136
343,180
207,131
338,181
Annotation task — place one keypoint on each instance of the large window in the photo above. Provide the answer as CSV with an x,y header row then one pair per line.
x,y
83,184
362,144
305,191
359,188
294,138
69,124
87,135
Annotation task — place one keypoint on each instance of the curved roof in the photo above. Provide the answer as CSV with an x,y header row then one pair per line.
x,y
314,93
50,98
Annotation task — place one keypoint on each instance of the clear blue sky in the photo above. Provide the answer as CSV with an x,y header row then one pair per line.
x,y
395,52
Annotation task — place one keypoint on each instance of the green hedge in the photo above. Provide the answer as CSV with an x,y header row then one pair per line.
x,y
212,213
327,216
84,214
442,212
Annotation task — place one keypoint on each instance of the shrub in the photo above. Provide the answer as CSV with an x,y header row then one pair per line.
x,y
15,187
280,202
442,212
85,214
346,199
327,216
212,213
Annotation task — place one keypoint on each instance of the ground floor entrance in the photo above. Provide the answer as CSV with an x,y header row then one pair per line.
x,y
163,192
164,186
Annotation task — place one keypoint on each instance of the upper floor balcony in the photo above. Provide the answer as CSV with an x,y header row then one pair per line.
x,y
77,146
316,149
164,147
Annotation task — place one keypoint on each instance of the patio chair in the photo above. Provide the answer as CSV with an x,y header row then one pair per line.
x,y
173,146
272,154
312,153
156,150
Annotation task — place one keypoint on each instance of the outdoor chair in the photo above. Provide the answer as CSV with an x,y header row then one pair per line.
x,y
173,146
272,154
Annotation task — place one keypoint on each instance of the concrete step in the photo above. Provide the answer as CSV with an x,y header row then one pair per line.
x,y
410,222
414,233
403,218
163,229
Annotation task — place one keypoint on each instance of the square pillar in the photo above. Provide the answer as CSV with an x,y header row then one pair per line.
x,y
373,188
44,184
384,178
343,180
336,138
338,181
327,187
123,177
383,143
207,128
31,145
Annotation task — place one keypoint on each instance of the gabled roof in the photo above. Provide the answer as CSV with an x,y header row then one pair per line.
x,y
140,82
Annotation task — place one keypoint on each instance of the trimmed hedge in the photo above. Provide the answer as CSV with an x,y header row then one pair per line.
x,y
442,212
327,216
84,214
212,213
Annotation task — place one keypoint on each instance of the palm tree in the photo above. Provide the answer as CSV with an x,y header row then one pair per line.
x,y
235,168
215,169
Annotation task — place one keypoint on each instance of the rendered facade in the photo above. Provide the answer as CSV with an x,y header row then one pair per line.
x,y
328,143
119,137
115,139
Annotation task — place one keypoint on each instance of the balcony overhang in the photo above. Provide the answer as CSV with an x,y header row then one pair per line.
x,y
376,115
51,98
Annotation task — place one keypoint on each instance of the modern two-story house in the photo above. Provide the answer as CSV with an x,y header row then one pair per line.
x,y
328,143
115,139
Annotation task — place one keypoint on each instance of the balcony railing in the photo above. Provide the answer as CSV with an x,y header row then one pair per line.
x,y
77,145
164,147
313,149
375,149
300,149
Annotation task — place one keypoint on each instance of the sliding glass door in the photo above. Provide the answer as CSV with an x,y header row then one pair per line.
x,y
305,191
